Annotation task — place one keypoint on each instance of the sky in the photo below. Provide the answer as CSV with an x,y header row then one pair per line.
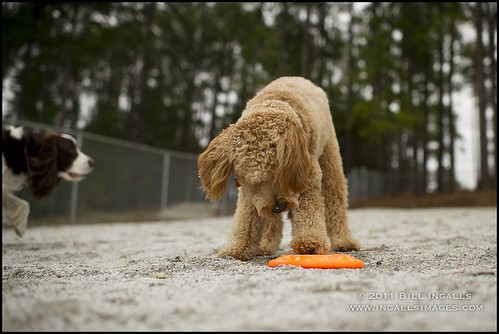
x,y
466,153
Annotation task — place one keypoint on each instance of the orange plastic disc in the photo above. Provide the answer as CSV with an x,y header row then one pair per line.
x,y
327,261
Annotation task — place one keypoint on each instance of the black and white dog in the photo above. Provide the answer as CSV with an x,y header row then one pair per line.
x,y
38,160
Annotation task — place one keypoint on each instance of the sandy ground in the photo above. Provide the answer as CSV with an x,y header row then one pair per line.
x,y
426,270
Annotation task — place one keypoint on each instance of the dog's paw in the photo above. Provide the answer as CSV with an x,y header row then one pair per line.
x,y
266,251
237,253
268,248
345,245
310,245
21,228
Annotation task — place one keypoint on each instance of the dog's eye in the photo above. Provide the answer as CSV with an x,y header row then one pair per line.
x,y
279,207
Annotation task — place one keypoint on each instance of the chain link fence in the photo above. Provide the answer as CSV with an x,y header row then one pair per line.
x,y
130,182
364,184
133,182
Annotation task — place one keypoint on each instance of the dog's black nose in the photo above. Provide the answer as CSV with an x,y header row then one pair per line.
x,y
279,207
91,163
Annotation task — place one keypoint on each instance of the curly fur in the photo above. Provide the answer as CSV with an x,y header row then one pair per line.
x,y
285,154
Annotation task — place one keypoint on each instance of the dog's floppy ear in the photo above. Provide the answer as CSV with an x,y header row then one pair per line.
x,y
215,165
293,159
42,165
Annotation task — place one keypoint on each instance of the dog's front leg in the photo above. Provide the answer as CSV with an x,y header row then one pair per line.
x,y
308,224
272,235
246,231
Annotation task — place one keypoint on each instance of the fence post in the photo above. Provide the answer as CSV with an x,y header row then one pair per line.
x,y
165,179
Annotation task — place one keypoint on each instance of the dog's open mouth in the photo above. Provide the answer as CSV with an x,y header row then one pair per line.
x,y
72,176
76,176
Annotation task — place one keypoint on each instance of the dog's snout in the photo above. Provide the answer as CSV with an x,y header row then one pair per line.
x,y
90,162
279,207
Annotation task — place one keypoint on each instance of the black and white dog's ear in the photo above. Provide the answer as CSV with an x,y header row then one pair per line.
x,y
42,164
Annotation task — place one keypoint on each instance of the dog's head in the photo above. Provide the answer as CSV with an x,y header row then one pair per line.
x,y
268,152
53,156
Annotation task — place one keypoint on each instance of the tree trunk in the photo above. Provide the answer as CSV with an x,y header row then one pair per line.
x,y
492,25
424,139
139,108
212,131
450,116
440,115
305,45
483,180
348,162
283,39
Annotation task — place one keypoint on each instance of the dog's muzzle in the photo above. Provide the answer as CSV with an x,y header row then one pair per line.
x,y
279,207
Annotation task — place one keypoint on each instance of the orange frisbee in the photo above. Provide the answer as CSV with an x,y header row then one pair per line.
x,y
327,261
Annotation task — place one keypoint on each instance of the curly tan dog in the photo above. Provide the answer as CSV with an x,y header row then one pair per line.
x,y
285,156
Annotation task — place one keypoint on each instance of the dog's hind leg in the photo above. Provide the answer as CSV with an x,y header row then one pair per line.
x,y
272,235
335,192
16,212
246,231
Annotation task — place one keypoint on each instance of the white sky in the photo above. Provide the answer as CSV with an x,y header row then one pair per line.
x,y
466,153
